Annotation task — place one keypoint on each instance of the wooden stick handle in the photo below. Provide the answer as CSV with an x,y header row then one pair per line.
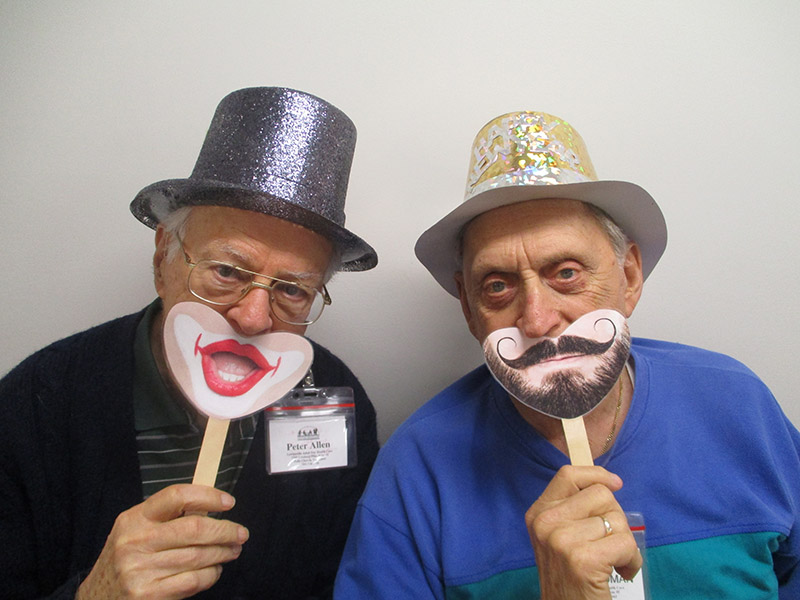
x,y
205,473
577,442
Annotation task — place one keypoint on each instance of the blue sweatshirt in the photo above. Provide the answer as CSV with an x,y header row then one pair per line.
x,y
705,452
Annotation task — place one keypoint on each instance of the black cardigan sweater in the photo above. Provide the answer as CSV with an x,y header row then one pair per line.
x,y
69,466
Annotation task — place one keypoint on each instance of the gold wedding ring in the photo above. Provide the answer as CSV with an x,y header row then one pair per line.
x,y
606,524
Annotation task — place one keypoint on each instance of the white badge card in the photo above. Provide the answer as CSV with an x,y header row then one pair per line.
x,y
636,588
311,429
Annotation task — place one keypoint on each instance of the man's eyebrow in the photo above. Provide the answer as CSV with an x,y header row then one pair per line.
x,y
245,261
301,276
234,253
480,270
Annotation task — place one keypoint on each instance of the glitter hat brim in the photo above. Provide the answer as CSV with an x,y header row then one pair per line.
x,y
629,205
163,197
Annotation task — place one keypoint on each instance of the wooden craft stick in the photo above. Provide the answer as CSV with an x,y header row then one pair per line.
x,y
205,473
577,442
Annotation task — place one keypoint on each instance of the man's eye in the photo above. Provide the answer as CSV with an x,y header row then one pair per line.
x,y
497,292
496,287
291,291
229,274
566,274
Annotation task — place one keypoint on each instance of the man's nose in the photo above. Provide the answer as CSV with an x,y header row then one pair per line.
x,y
539,316
252,315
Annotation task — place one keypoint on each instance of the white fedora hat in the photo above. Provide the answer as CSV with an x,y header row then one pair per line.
x,y
529,155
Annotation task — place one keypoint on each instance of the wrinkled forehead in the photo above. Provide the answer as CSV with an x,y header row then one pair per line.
x,y
230,220
223,221
526,221
249,238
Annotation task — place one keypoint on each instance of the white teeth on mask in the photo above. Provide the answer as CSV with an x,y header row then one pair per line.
x,y
230,377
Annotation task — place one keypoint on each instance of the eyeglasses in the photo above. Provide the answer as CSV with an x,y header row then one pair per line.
x,y
223,284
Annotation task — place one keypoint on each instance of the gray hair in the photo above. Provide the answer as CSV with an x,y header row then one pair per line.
x,y
176,223
619,240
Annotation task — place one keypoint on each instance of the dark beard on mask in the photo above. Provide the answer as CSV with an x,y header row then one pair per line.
x,y
567,394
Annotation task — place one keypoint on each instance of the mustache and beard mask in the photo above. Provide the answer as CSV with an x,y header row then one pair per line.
x,y
565,376
226,375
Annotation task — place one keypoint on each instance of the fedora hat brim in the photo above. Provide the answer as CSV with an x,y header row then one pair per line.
x,y
629,205
156,201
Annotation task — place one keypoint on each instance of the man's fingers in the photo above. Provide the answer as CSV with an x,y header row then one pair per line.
x,y
574,494
187,545
176,500
191,582
630,570
582,508
183,585
155,542
193,558
563,535
591,528
621,552
579,531
195,530
173,509
584,550
571,479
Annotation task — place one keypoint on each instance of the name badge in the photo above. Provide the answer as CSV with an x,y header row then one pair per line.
x,y
632,589
626,589
311,429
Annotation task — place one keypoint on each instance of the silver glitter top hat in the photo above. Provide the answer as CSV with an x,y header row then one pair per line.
x,y
276,151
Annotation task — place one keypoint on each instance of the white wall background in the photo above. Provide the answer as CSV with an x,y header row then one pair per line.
x,y
696,101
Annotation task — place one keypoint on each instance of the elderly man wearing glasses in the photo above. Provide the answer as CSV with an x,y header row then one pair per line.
x,y
96,440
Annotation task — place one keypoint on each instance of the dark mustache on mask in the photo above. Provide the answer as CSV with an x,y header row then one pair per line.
x,y
565,345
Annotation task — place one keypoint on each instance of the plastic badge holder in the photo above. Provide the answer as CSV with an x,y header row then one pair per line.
x,y
636,588
311,429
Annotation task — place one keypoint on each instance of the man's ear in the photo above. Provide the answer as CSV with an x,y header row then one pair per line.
x,y
458,276
633,277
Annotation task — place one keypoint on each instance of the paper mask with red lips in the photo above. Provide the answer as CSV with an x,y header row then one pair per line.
x,y
565,376
226,375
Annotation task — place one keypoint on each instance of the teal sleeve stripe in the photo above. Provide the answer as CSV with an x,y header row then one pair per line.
x,y
731,566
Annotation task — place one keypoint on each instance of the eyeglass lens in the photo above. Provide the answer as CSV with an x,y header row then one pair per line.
x,y
222,283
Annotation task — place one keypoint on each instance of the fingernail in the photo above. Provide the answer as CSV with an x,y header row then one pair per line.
x,y
243,535
227,500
